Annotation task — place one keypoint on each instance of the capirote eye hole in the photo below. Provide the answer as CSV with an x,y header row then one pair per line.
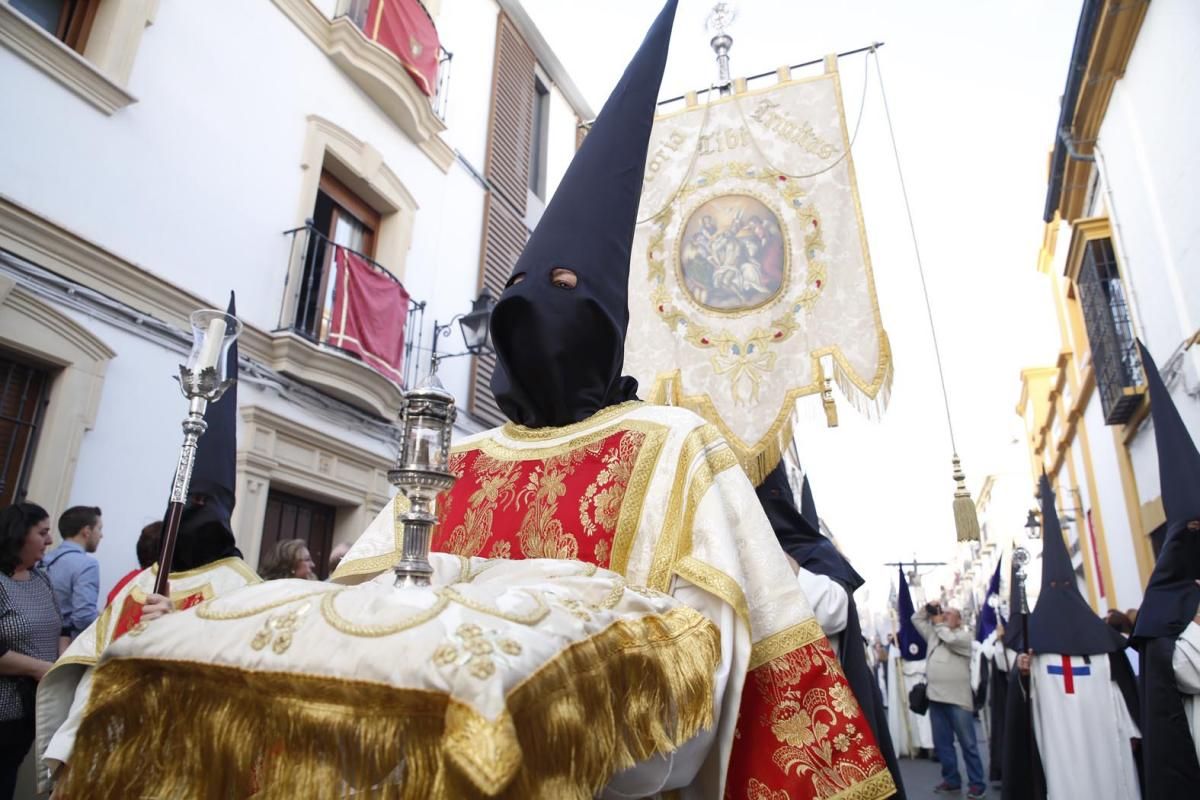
x,y
563,278
515,279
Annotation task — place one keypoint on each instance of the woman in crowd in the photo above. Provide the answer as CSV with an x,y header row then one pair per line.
x,y
288,559
31,631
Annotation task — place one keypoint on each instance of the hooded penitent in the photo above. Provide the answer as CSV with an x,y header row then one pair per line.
x,y
205,532
798,535
987,617
560,350
1061,624
798,531
1171,768
1014,634
1062,621
912,643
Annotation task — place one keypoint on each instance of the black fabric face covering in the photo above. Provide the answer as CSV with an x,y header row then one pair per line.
x,y
559,351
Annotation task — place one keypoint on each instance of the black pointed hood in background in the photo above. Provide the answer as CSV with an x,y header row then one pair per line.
x,y
560,351
988,616
798,537
205,530
1062,621
1172,596
910,640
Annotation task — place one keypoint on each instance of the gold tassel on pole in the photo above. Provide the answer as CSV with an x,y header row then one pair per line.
x,y
831,415
966,522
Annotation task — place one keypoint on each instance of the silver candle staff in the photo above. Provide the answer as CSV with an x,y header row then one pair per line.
x,y
422,472
201,381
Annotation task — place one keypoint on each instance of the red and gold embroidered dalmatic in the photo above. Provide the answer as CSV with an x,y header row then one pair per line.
x,y
655,494
62,694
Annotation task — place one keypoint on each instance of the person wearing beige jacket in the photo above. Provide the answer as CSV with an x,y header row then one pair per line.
x,y
951,704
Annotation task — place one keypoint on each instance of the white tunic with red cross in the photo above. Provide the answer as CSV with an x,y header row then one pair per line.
x,y
1083,729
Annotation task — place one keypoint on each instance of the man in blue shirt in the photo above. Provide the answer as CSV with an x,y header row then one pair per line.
x,y
74,574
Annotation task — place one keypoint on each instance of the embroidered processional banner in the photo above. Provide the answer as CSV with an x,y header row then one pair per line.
x,y
750,265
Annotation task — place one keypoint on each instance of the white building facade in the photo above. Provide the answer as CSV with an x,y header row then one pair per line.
x,y
1120,252
157,154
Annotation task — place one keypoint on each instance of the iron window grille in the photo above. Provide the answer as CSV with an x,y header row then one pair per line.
x,y
1115,361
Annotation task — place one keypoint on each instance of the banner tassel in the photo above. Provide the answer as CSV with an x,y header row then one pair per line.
x,y
966,521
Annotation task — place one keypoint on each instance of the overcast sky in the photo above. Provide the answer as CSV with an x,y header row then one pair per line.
x,y
974,88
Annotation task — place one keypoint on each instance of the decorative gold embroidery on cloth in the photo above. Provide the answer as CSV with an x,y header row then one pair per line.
x,y
206,611
278,629
784,642
813,728
497,481
760,791
533,617
330,613
519,433
477,653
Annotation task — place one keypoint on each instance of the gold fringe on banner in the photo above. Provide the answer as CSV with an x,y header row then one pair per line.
x,y
191,731
966,521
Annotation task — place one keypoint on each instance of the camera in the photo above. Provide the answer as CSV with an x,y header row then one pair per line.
x,y
933,609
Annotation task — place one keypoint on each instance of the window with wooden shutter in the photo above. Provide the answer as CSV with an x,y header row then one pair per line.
x,y
510,139
23,395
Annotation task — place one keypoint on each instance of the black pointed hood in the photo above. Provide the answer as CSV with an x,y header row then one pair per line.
x,y
560,351
205,530
1172,596
798,537
910,640
1062,621
988,615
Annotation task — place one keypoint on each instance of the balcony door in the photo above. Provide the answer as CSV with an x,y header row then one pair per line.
x,y
340,219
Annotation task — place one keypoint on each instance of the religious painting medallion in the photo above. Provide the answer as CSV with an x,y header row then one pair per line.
x,y
732,253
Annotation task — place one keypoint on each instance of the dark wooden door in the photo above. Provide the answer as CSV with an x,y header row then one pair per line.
x,y
292,517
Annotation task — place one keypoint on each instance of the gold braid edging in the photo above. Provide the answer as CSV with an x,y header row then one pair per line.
x,y
194,731
877,787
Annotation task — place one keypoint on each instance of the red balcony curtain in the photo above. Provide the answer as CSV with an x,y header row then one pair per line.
x,y
403,27
369,312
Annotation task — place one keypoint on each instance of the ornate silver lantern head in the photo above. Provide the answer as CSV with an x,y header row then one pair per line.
x,y
422,472
213,332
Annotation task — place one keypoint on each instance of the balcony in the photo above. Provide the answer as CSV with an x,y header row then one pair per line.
x,y
1115,360
378,71
305,344
359,13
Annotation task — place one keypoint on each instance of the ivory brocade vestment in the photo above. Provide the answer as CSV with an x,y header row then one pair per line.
x,y
62,694
655,494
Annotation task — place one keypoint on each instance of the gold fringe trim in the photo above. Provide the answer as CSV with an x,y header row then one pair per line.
x,y
192,731
966,521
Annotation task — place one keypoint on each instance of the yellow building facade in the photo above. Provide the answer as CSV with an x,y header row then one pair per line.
x,y
1113,254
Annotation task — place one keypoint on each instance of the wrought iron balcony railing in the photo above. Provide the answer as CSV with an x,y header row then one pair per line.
x,y
310,294
1115,360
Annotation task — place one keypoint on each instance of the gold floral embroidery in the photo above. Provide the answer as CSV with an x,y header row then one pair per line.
x,y
279,629
477,651
757,790
501,550
497,480
600,506
843,701
601,552
812,724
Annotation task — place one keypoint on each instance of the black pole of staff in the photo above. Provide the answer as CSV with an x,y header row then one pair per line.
x,y
1023,599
